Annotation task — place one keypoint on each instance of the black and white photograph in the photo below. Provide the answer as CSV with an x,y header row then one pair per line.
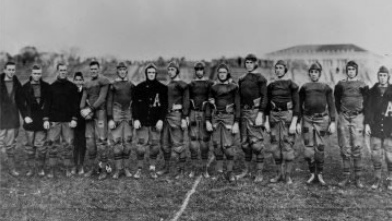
x,y
202,110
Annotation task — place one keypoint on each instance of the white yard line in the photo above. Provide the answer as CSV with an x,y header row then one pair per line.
x,y
189,194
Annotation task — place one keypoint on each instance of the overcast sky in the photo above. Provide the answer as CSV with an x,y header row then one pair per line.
x,y
196,29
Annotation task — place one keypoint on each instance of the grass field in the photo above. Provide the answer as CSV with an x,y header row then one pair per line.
x,y
79,198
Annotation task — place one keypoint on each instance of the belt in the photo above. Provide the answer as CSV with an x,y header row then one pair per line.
x,y
223,112
316,114
248,107
352,112
280,109
175,110
197,110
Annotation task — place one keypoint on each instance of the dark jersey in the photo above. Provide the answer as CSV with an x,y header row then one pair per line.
x,y
120,95
283,95
316,98
150,102
198,93
226,98
96,93
253,91
178,95
350,95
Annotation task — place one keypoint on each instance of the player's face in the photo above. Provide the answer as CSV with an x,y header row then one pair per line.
x,y
78,81
199,72
279,70
172,72
10,70
223,74
36,75
151,74
383,78
250,65
351,72
62,72
314,75
94,70
122,72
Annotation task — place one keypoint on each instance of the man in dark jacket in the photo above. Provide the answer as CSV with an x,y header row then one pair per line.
x,y
149,108
34,97
62,109
378,124
9,113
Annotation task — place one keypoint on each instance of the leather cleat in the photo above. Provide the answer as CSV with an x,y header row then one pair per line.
x,y
14,173
289,180
81,171
50,175
179,175
163,171
30,173
344,182
89,173
216,176
321,179
192,174
138,174
258,178
41,173
230,176
376,184
116,174
102,175
73,170
359,184
68,173
128,173
153,174
276,179
242,175
389,184
206,174
311,179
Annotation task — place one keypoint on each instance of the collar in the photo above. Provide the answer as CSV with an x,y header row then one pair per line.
x,y
121,79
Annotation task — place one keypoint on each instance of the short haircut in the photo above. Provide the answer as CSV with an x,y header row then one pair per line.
x,y
9,63
94,63
78,74
60,64
36,67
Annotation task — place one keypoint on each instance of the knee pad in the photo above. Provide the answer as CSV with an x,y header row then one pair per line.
x,y
154,151
117,149
193,138
141,150
320,148
206,139
257,148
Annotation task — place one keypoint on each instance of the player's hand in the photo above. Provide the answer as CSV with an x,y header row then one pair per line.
x,y
137,125
332,128
183,124
28,120
159,125
235,129
209,126
299,128
292,128
73,124
259,119
112,124
84,112
267,126
46,125
368,131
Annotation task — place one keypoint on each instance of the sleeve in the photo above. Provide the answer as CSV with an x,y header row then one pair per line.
x,y
109,103
331,104
369,113
48,104
263,95
21,102
237,105
135,103
269,97
75,103
164,102
83,100
185,101
301,95
365,94
102,96
209,107
338,95
295,97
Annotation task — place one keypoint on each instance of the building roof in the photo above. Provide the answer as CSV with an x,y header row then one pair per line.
x,y
319,48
